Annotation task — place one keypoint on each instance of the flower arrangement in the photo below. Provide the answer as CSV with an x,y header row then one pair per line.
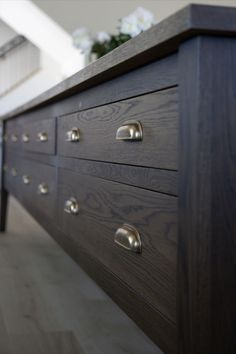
x,y
102,43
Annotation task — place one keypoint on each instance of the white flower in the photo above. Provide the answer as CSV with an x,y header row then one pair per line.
x,y
138,21
145,18
129,25
82,39
102,37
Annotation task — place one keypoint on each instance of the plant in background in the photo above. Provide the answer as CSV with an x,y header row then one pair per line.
x,y
102,43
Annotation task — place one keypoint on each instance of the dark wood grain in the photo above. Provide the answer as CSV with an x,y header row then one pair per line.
x,y
152,77
38,173
33,128
20,126
104,207
148,318
13,129
20,154
98,99
3,191
158,180
207,208
157,42
58,307
158,114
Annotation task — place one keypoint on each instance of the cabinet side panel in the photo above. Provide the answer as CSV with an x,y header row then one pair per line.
x,y
207,196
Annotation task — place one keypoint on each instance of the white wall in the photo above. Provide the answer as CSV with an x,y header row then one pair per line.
x,y
59,59
103,14
6,33
41,81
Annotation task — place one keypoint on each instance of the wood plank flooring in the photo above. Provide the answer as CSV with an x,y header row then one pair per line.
x,y
48,305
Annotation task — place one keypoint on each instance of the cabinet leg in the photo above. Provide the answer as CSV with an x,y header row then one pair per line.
x,y
3,209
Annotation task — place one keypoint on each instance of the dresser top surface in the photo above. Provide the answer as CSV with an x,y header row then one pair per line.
x,y
159,41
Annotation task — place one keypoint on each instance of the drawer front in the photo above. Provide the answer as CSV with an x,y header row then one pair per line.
x,y
98,129
13,134
39,136
12,176
34,184
104,206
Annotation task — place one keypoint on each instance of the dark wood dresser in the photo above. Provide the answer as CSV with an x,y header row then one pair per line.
x,y
131,166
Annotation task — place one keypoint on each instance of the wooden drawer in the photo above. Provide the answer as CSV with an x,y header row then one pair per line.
x,y
12,136
104,206
34,184
158,115
39,136
12,179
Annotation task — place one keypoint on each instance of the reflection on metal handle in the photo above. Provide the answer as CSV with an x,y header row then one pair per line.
x,y
14,172
128,237
42,136
130,131
71,206
14,138
73,135
26,179
25,138
43,188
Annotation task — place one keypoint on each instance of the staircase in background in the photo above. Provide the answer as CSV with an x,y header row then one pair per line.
x,y
19,59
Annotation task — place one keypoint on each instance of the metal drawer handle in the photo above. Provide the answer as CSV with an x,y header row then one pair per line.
x,y
73,135
71,206
43,188
42,136
128,237
25,138
130,131
14,138
26,179
14,172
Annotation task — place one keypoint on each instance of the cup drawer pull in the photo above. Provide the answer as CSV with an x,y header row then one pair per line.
x,y
128,238
130,131
14,138
42,136
14,172
25,138
26,179
73,135
71,206
43,189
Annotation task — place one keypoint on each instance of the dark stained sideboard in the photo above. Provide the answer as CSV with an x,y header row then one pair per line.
x,y
131,166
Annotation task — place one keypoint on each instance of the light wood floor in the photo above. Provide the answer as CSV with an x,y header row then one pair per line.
x,y
48,305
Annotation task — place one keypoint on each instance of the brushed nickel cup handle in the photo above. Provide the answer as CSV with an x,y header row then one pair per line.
x,y
128,238
43,189
71,206
26,179
42,136
73,135
14,138
14,172
130,131
25,138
